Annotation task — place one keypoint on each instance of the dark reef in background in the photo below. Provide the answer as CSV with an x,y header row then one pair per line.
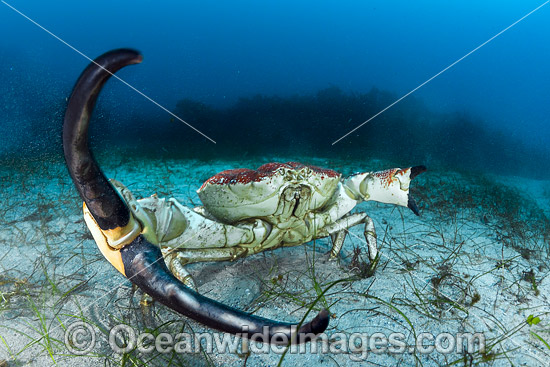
x,y
406,134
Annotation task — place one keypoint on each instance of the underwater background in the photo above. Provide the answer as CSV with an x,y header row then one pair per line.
x,y
266,78
462,87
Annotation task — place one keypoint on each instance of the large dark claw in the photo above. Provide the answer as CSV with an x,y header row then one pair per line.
x,y
107,207
145,267
140,261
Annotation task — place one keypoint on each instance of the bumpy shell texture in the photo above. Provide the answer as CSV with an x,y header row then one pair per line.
x,y
239,194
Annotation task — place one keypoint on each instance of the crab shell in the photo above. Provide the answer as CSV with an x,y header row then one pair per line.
x,y
238,194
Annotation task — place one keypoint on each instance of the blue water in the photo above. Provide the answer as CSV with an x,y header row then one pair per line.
x,y
292,79
217,53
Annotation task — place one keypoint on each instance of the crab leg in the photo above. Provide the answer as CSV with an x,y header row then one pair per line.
x,y
338,230
118,234
176,260
188,256
172,225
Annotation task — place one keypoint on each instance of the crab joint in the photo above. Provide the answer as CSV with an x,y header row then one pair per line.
x,y
111,241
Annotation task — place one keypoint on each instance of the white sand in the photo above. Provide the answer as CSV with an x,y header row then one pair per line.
x,y
51,272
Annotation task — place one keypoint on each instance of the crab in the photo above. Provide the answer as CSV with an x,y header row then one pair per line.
x,y
244,212
248,211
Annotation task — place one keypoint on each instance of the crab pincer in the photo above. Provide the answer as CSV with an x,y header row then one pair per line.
x,y
119,235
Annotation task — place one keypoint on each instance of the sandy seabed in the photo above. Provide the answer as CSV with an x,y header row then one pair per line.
x,y
476,261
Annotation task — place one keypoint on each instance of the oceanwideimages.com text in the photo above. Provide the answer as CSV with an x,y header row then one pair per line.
x,y
81,339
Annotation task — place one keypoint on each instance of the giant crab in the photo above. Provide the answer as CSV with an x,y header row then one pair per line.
x,y
245,212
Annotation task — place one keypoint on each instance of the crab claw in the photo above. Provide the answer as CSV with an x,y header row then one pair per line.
x,y
390,186
413,172
118,235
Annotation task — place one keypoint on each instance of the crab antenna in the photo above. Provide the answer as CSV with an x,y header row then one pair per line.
x,y
142,261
